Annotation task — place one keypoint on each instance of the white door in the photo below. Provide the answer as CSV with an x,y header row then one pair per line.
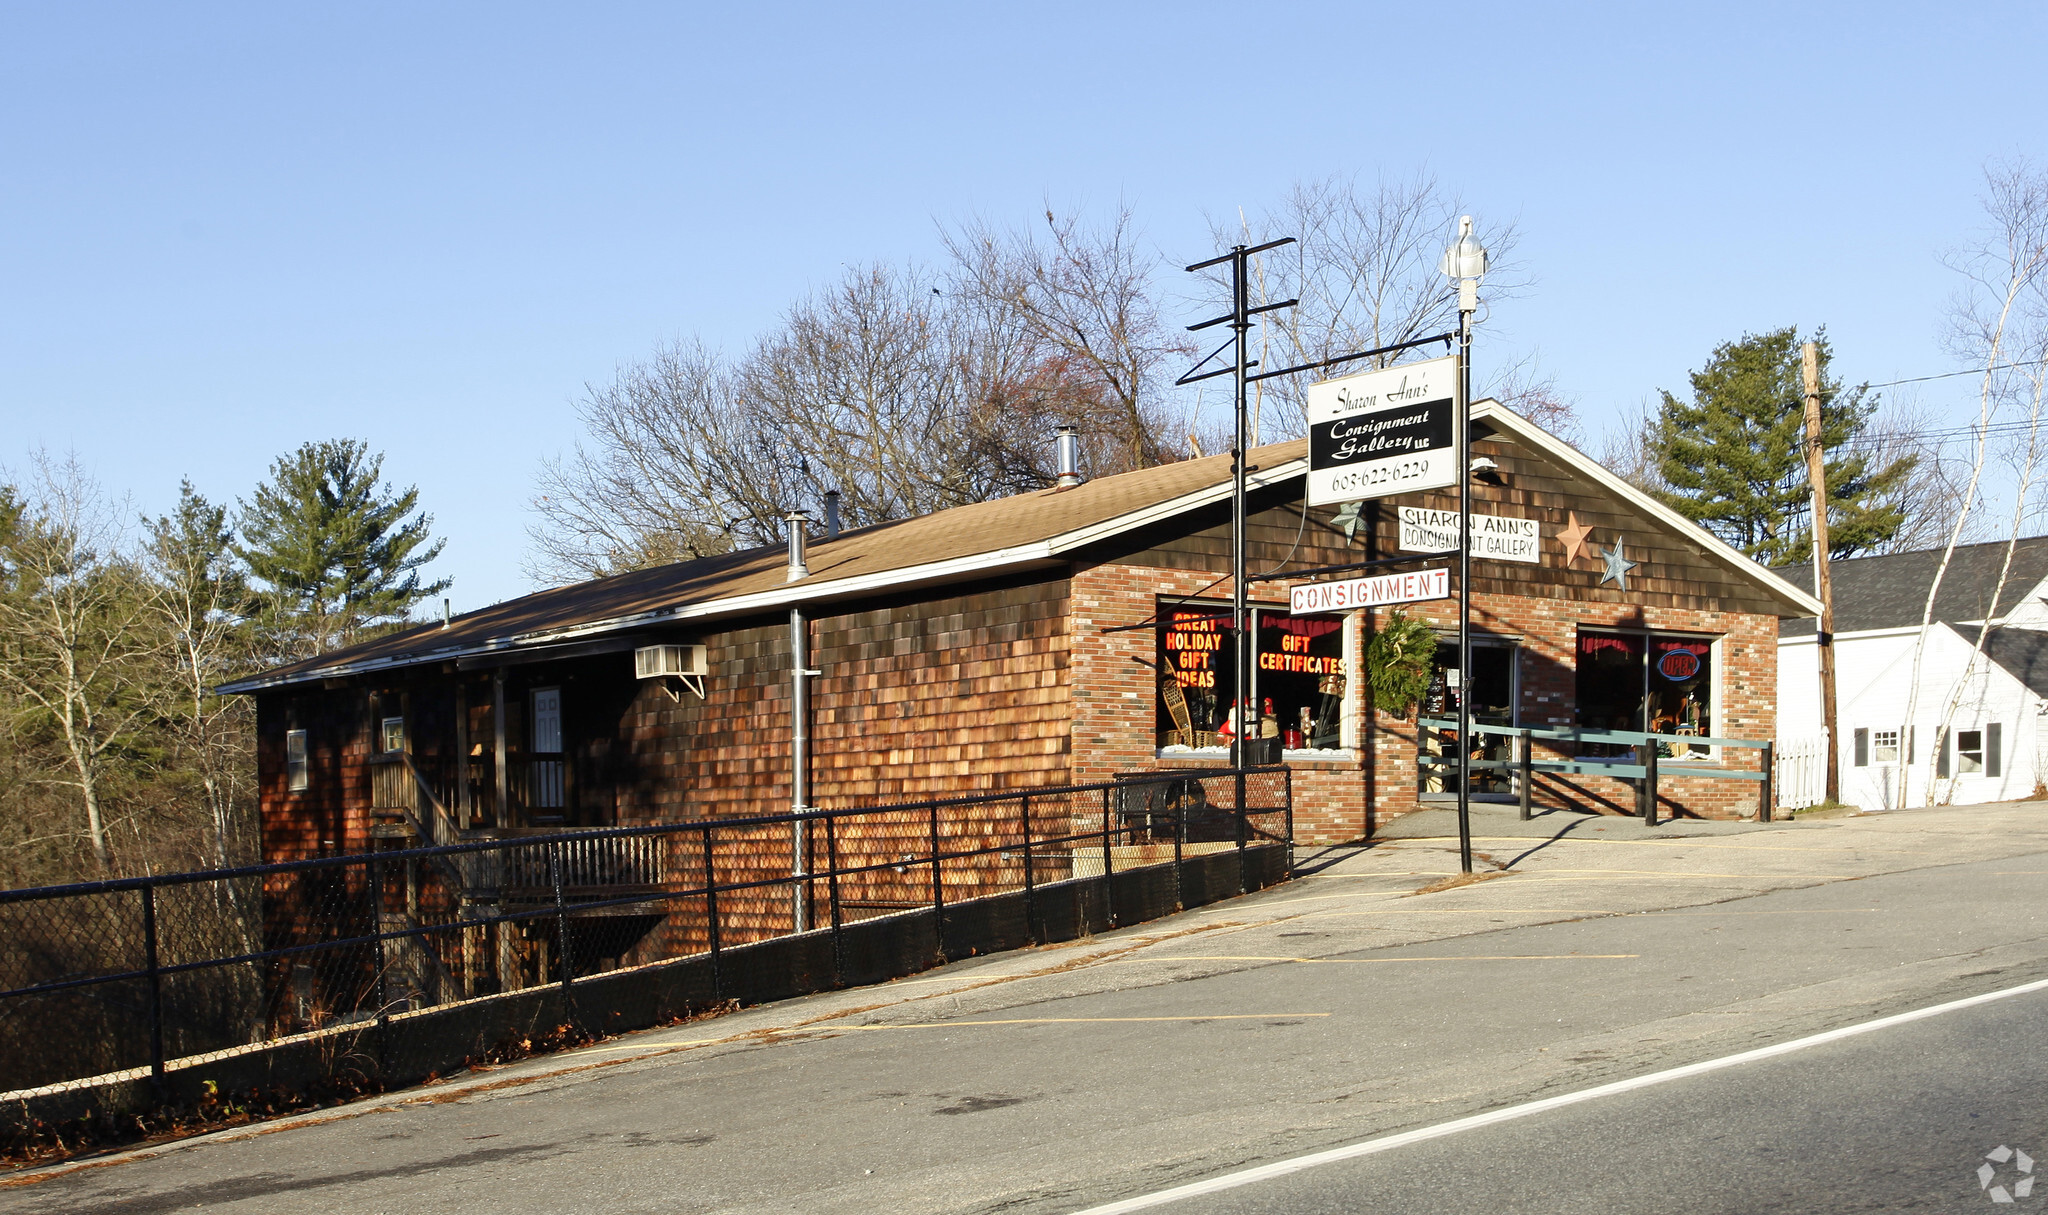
x,y
547,720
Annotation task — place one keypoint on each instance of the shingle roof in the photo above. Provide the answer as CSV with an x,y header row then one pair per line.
x,y
982,530
1021,532
1891,592
2023,653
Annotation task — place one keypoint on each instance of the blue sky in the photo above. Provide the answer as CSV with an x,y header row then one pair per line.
x,y
225,230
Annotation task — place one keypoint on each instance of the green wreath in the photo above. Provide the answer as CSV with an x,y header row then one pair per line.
x,y
1400,660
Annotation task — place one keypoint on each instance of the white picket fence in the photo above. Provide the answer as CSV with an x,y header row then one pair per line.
x,y
1800,776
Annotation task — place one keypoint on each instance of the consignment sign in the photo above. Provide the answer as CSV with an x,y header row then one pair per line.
x,y
1384,432
1411,587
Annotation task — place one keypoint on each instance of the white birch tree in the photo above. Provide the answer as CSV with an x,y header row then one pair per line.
x,y
1999,319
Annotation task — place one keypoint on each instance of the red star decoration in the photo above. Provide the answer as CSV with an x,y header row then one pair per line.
x,y
1573,537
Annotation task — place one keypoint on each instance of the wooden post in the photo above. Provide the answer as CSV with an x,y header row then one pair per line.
x,y
1823,585
1526,786
464,812
503,778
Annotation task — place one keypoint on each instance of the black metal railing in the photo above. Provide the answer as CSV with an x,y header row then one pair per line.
x,y
140,975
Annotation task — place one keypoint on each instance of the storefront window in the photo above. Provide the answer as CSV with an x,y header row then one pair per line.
x,y
1650,682
1297,681
1300,680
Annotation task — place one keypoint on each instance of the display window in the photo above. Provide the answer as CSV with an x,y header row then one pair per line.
x,y
1298,679
1653,682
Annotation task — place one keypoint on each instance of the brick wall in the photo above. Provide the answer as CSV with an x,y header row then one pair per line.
x,y
1114,712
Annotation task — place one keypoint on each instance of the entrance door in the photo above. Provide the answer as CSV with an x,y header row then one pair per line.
x,y
545,775
1492,688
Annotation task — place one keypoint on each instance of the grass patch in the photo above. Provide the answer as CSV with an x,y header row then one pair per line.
x,y
1460,879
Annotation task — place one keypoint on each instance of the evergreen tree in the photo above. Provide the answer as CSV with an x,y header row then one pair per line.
x,y
337,551
1733,458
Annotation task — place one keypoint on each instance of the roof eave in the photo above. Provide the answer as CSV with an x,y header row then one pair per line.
x,y
809,590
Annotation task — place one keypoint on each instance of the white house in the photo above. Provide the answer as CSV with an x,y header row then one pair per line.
x,y
1975,734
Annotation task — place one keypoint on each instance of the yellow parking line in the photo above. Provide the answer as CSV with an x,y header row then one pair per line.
x,y
1684,873
1082,1021
1678,843
1501,957
1314,915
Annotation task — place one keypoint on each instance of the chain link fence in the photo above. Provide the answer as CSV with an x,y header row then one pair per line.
x,y
125,979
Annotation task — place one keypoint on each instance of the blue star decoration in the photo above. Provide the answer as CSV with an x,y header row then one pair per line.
x,y
1618,564
1347,517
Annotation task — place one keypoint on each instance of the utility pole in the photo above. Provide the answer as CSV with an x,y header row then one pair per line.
x,y
1244,715
1823,585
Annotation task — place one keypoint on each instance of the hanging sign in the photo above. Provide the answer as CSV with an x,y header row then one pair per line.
x,y
1384,432
1413,587
1495,536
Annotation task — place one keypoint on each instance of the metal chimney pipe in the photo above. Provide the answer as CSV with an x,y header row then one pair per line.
x,y
1069,443
831,514
799,543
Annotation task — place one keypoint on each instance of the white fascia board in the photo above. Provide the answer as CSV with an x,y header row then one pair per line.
x,y
1038,552
1579,462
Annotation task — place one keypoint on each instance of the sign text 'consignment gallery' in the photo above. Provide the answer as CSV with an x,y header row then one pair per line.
x,y
1496,536
1384,432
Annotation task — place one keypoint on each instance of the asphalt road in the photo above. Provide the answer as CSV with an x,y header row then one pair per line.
x,y
1334,1010
1926,1116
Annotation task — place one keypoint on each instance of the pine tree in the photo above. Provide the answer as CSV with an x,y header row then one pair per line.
x,y
1734,457
337,551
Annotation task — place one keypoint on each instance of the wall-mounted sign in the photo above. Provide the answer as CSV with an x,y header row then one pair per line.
x,y
1495,536
1370,592
1384,432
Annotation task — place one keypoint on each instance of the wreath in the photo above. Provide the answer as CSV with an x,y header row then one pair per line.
x,y
1400,660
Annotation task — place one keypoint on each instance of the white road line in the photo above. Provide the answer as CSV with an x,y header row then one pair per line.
x,y
1281,1168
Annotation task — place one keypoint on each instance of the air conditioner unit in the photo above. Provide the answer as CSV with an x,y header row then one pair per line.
x,y
657,661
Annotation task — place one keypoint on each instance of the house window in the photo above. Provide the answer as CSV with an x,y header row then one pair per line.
x,y
296,771
1884,746
392,734
1298,680
1652,682
1969,752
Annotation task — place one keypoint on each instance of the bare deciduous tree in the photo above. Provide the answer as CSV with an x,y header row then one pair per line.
x,y
198,600
2000,320
1367,274
1080,304
79,646
904,396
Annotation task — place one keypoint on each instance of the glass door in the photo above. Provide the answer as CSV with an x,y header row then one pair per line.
x,y
1492,689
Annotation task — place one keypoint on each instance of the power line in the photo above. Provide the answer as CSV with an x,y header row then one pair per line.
x,y
1919,379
